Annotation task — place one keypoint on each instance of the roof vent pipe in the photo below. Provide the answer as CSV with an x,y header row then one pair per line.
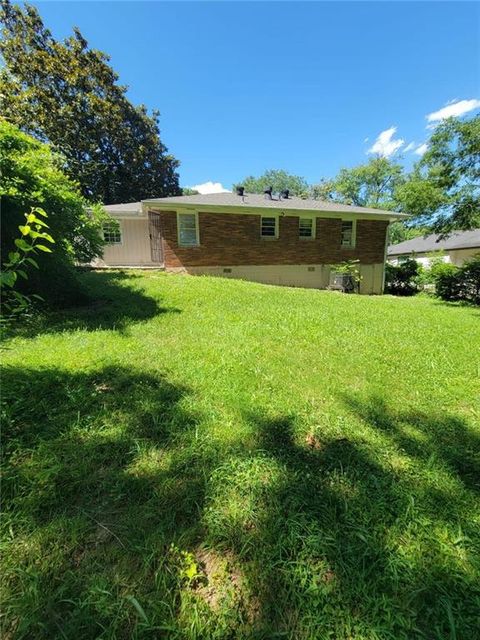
x,y
240,191
268,193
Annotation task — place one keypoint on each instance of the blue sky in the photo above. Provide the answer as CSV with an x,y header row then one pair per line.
x,y
307,87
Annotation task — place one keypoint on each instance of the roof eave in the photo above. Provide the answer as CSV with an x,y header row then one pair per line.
x,y
386,215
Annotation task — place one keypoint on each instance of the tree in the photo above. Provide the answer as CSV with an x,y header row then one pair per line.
x,y
67,94
373,184
444,188
400,231
278,179
32,176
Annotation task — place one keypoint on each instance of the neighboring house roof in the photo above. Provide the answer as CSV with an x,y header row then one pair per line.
x,y
425,244
254,200
129,207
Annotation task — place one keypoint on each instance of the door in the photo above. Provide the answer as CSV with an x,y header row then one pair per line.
x,y
155,231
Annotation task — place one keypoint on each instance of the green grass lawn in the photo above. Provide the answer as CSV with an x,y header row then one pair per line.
x,y
207,458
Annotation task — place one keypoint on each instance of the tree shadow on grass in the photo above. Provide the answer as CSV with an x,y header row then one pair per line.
x,y
441,439
337,544
100,479
342,538
114,302
475,309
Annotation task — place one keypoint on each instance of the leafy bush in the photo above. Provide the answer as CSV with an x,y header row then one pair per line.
x,y
32,176
438,267
448,285
428,275
403,279
471,280
459,283
13,301
435,263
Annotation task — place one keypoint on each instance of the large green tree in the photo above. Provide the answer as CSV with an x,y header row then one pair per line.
x,y
32,176
278,179
67,94
372,184
444,187
401,231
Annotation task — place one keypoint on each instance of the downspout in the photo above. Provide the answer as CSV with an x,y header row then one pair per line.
x,y
385,255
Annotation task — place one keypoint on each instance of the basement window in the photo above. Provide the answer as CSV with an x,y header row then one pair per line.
x,y
188,229
268,228
305,227
112,233
348,234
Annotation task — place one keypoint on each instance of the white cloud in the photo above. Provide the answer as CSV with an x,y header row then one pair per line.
x,y
410,146
420,150
385,145
366,139
452,109
210,187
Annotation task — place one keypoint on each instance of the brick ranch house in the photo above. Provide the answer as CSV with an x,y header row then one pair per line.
x,y
266,238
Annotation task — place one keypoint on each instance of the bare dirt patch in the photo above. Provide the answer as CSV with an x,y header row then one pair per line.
x,y
224,584
313,442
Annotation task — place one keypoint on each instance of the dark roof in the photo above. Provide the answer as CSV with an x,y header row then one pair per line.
x,y
129,207
254,200
425,244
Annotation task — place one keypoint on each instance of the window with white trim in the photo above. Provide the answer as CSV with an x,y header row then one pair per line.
x,y
268,227
112,233
305,228
348,234
188,229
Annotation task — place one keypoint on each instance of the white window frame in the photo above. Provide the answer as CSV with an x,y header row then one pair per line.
x,y
197,228
275,237
314,228
353,242
120,231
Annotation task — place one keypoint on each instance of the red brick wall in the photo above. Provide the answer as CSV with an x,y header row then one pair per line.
x,y
234,239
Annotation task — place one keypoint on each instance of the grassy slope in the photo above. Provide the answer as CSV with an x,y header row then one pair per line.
x,y
205,458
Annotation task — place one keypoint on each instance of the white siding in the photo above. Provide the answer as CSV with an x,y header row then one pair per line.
x,y
458,256
455,256
134,249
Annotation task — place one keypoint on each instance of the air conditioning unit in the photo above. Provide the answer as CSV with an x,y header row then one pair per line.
x,y
342,282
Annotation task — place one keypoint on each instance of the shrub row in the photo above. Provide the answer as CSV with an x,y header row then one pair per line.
x,y
451,283
460,283
403,279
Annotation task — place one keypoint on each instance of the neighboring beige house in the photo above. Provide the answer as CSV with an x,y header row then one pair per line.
x,y
456,248
266,238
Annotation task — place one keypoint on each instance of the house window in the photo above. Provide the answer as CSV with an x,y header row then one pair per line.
x,y
348,233
268,227
305,227
188,229
112,234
